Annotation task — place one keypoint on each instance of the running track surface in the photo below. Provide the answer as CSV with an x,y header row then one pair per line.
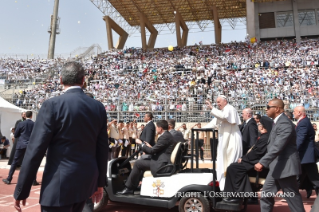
x,y
6,199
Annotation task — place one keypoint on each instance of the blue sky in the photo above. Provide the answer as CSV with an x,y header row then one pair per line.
x,y
24,25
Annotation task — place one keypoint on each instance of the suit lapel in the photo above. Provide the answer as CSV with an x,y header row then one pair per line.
x,y
274,128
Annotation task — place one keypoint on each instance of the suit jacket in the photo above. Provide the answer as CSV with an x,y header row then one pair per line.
x,y
161,152
72,128
257,152
177,135
17,122
249,134
305,141
282,156
23,131
148,133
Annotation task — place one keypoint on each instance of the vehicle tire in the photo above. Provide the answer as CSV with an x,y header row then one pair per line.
x,y
198,203
103,203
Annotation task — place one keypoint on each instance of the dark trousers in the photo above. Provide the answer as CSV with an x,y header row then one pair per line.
x,y
76,207
237,179
215,144
310,171
3,153
125,150
201,147
288,185
139,167
18,158
13,150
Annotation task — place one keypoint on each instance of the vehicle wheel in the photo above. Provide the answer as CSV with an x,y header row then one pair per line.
x,y
194,204
103,203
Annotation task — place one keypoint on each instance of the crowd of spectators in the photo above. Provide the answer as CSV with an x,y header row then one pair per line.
x,y
180,80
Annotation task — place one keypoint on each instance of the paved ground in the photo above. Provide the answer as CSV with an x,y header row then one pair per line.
x,y
6,198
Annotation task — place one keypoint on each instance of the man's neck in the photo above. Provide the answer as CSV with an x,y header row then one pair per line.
x,y
301,117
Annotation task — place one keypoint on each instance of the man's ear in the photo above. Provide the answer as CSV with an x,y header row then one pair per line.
x,y
83,80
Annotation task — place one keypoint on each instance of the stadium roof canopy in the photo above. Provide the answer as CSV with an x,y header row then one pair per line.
x,y
127,16
162,11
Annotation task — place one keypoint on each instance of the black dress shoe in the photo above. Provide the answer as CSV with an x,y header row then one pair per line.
x,y
126,191
232,200
138,188
35,183
6,181
309,192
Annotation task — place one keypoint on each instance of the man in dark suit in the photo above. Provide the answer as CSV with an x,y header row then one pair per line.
x,y
72,128
282,159
237,179
5,144
178,136
148,133
160,156
16,139
23,131
306,148
248,130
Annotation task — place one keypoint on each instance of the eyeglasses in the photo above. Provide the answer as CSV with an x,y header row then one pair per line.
x,y
268,107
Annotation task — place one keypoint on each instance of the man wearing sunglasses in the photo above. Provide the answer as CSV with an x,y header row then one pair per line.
x,y
282,159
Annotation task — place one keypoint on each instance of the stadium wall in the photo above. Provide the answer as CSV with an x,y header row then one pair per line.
x,y
282,19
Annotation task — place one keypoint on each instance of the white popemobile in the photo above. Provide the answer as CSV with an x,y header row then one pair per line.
x,y
193,188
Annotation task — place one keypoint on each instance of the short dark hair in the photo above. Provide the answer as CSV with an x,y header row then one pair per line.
x,y
121,121
89,94
142,125
163,124
289,114
258,116
72,73
171,122
3,138
28,114
149,114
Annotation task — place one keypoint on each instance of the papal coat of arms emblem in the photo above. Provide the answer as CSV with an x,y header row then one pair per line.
x,y
158,188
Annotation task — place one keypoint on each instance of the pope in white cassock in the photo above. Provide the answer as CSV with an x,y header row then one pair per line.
x,y
230,147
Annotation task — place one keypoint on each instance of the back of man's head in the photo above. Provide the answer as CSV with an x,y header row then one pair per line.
x,y
150,115
289,114
171,122
89,94
72,73
163,124
28,114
